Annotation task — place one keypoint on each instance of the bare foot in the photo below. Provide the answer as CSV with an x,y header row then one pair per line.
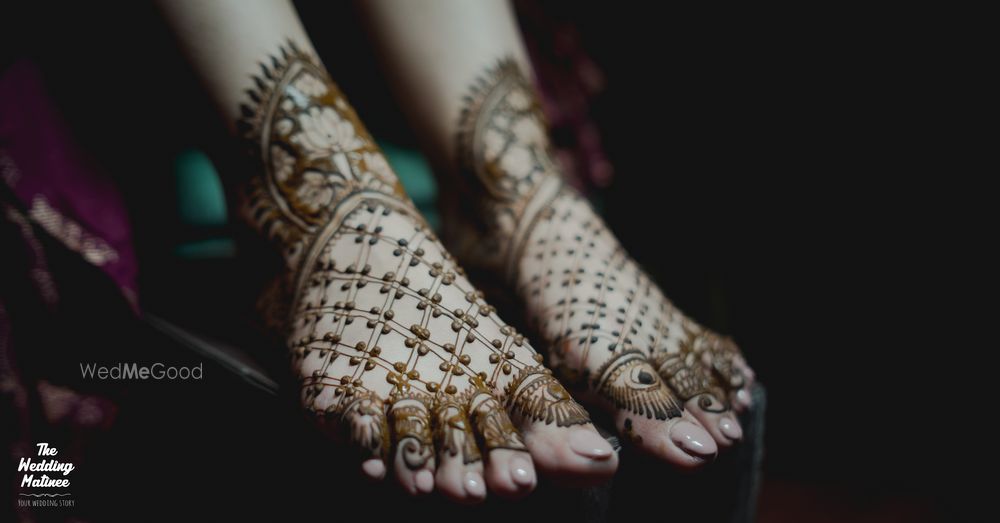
x,y
669,384
394,348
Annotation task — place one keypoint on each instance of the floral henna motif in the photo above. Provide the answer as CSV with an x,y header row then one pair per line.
x,y
364,416
604,321
314,150
502,143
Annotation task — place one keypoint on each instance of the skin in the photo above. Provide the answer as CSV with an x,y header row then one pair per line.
x,y
396,351
460,70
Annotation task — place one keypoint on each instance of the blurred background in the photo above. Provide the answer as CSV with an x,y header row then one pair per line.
x,y
766,168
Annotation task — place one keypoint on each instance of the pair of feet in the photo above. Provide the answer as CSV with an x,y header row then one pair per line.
x,y
399,354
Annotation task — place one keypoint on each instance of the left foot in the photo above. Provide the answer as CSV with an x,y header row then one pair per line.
x,y
608,328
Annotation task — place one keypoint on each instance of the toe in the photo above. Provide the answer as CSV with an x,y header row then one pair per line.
x,y
715,418
648,414
679,441
689,381
564,445
414,460
373,468
742,398
510,471
459,463
364,417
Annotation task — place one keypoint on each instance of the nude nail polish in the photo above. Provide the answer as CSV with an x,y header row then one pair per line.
x,y
743,397
373,468
522,472
424,481
730,428
589,444
693,440
474,485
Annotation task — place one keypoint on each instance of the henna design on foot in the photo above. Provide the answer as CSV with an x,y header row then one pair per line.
x,y
387,336
632,384
412,426
493,424
606,325
453,430
537,395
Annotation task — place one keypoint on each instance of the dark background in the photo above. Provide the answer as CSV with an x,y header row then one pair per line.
x,y
784,176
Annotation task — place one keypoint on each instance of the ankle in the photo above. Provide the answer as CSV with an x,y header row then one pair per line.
x,y
315,155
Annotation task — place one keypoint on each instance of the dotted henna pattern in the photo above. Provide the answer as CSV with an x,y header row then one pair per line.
x,y
608,327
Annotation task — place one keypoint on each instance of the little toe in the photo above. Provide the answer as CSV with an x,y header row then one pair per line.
x,y
364,418
373,468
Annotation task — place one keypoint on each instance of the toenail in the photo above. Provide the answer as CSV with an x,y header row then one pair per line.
x,y
743,397
730,428
425,481
373,468
692,439
589,444
522,472
474,485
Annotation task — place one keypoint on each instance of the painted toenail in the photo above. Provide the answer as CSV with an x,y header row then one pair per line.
x,y
522,472
373,468
693,439
743,397
730,428
425,481
589,444
474,485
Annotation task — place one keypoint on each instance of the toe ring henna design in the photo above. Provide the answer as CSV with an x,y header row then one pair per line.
x,y
536,395
365,420
689,381
411,427
493,423
452,430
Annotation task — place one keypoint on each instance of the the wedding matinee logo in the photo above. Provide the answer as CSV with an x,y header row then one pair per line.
x,y
134,371
46,478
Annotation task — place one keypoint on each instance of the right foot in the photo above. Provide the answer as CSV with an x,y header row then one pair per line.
x,y
608,329
392,344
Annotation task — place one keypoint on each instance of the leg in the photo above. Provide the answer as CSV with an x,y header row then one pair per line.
x,y
392,345
607,327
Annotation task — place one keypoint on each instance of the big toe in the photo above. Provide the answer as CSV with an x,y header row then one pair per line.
x,y
564,445
649,415
679,441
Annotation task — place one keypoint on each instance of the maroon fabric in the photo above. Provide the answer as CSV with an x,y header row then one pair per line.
x,y
58,186
569,81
